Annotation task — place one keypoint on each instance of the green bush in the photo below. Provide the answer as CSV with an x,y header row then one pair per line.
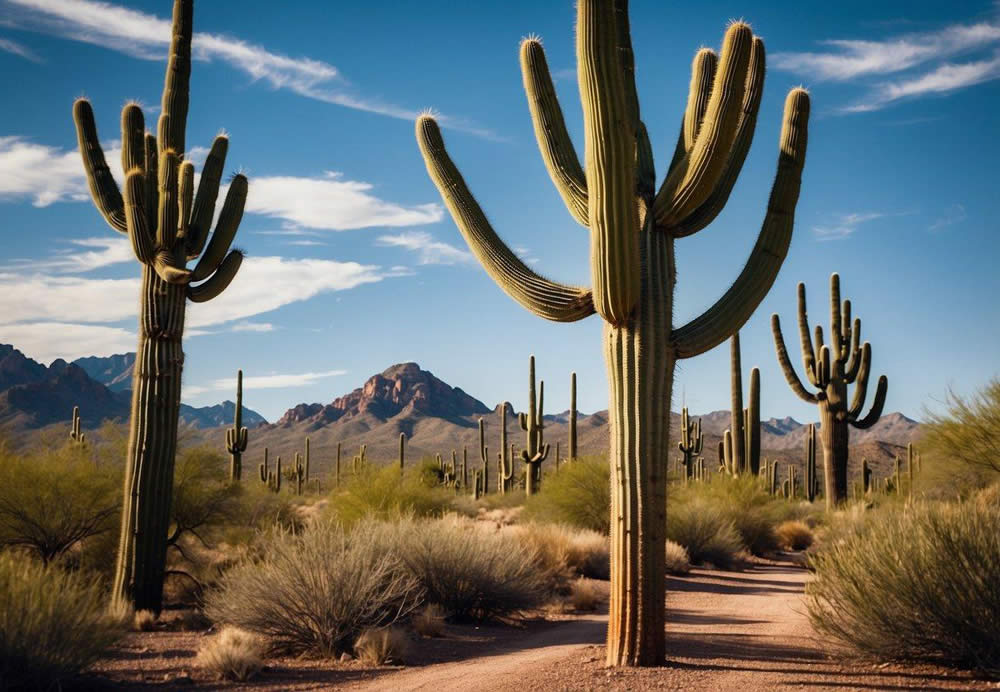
x,y
317,591
705,531
471,571
579,495
53,624
921,583
385,493
53,501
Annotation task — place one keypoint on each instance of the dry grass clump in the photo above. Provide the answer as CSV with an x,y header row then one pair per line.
x,y
379,646
429,621
578,495
918,583
53,624
385,493
566,552
705,531
317,591
144,621
794,535
678,561
584,595
232,654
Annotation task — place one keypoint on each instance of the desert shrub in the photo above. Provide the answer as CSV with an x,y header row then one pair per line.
x,y
960,447
794,535
584,595
378,646
53,623
315,592
678,561
144,621
385,493
495,501
232,654
705,531
745,501
471,572
428,621
578,495
53,501
922,583
566,552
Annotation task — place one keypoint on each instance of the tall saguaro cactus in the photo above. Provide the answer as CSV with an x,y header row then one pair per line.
x,y
505,457
168,226
632,230
742,441
236,436
831,368
536,449
572,418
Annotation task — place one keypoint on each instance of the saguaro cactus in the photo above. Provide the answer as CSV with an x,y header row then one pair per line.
x,y
536,449
236,436
168,226
812,482
632,230
505,457
75,433
692,441
484,456
743,454
831,368
402,451
571,452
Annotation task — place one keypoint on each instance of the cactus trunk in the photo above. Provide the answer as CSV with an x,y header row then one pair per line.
x,y
149,469
834,435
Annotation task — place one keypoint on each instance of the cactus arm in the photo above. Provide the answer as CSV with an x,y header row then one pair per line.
x,y
166,218
848,343
225,229
554,142
703,69
836,328
851,369
545,298
808,353
645,180
609,162
861,383
786,364
716,201
692,180
219,281
823,367
204,201
876,411
174,107
151,179
185,198
135,213
731,311
103,188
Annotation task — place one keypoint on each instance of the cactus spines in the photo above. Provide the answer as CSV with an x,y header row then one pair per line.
x,y
831,368
402,451
75,433
167,226
812,482
536,449
692,440
571,452
632,231
236,436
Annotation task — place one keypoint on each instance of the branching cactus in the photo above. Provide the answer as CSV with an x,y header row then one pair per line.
x,y
505,457
236,436
536,449
692,441
75,432
484,456
633,225
831,368
168,226
742,442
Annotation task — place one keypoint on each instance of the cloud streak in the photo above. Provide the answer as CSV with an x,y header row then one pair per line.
x,y
15,48
279,381
428,250
845,226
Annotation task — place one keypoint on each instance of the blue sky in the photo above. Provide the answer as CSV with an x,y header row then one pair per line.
x,y
353,263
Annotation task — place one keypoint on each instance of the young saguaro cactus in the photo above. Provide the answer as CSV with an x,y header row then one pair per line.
x,y
831,368
168,226
812,482
743,455
75,433
692,441
236,436
505,457
633,226
532,423
571,452
484,456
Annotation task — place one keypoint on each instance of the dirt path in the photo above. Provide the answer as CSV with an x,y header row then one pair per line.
x,y
726,631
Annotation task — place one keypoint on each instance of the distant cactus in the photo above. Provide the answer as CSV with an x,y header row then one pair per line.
x,y
812,482
505,457
484,455
831,368
263,468
571,452
168,225
75,433
866,477
236,436
744,447
532,423
402,451
692,441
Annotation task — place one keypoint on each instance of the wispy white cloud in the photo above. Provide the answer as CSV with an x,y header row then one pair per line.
x,y
147,36
46,341
429,251
46,175
17,49
276,381
253,327
110,249
332,203
41,297
851,59
845,225
953,215
526,255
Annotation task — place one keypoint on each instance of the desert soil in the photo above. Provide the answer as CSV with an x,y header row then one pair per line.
x,y
741,631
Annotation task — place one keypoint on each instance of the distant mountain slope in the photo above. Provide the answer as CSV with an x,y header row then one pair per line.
x,y
114,372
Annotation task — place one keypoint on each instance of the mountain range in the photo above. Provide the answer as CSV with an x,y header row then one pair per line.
x,y
436,416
